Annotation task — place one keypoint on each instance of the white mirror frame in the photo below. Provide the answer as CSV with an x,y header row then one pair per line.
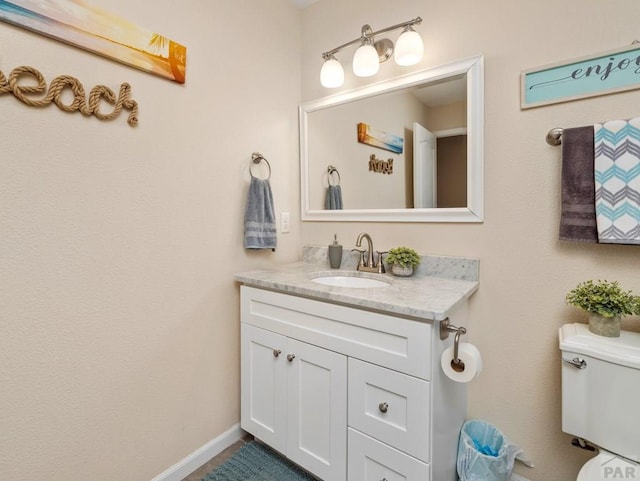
x,y
473,67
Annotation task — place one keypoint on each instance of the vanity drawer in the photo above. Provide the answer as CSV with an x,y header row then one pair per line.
x,y
370,460
390,406
395,342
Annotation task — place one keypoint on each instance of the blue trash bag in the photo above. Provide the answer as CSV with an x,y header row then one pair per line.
x,y
484,453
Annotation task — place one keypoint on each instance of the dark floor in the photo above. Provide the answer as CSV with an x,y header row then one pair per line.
x,y
199,473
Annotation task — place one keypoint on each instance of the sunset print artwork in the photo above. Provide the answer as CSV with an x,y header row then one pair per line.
x,y
77,23
382,140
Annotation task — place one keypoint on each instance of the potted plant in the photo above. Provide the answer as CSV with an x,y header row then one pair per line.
x,y
402,261
606,303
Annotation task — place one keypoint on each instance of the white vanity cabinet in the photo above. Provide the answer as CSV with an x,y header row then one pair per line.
x,y
347,393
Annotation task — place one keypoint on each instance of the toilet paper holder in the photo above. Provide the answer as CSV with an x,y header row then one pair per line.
x,y
445,328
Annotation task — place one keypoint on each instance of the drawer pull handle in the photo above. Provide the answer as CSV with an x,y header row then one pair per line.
x,y
291,357
276,352
383,407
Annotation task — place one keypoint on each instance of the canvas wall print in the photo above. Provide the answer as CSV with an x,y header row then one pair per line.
x,y
382,140
80,24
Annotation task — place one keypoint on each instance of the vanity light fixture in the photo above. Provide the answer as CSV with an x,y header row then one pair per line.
x,y
409,49
332,73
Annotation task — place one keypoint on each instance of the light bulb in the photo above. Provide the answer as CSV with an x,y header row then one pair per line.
x,y
332,73
365,61
409,48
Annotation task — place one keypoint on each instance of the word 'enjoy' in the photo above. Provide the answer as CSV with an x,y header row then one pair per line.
x,y
79,104
605,70
382,166
601,69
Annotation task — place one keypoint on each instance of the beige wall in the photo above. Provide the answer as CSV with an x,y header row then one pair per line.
x,y
525,270
119,315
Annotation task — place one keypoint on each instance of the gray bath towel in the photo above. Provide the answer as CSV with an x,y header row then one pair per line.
x,y
578,215
333,198
259,217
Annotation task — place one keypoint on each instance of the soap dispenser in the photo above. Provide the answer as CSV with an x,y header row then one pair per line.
x,y
335,253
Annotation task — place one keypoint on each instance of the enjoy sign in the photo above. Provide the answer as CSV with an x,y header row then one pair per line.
x,y
609,72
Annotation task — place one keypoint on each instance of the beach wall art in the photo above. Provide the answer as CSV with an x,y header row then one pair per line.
x,y
80,24
382,140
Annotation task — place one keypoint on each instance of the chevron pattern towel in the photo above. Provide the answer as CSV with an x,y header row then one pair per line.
x,y
617,181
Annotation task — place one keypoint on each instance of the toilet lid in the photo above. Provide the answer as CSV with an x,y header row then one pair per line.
x,y
607,465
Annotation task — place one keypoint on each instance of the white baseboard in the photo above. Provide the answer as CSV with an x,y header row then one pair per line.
x,y
200,456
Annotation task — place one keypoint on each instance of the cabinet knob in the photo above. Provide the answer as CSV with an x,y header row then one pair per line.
x,y
276,352
291,357
383,407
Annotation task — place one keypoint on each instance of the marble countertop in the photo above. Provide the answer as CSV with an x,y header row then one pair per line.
x,y
423,297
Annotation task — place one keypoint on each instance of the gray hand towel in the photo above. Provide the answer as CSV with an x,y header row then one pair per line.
x,y
578,215
259,217
333,198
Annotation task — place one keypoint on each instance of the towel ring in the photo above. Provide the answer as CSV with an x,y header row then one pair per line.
x,y
332,170
256,158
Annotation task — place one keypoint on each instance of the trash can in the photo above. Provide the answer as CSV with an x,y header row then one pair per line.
x,y
484,453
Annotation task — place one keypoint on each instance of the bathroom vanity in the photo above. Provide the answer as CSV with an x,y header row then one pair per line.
x,y
346,382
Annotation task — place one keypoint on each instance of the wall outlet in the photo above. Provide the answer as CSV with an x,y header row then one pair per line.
x,y
284,222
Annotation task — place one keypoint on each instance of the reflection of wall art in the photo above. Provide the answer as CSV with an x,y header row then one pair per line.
x,y
381,140
380,166
76,23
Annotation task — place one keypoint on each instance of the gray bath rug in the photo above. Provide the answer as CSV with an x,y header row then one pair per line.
x,y
256,462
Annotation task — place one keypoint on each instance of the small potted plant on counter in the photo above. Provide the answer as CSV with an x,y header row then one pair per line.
x,y
606,303
402,261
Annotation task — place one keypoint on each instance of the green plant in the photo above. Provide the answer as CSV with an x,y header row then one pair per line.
x,y
403,256
604,298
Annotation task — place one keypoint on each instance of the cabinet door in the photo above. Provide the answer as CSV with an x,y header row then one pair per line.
x,y
263,406
317,421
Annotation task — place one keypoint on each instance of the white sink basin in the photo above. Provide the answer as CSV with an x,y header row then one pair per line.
x,y
343,280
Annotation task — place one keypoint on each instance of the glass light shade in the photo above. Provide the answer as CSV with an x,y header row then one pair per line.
x,y
409,48
332,73
365,61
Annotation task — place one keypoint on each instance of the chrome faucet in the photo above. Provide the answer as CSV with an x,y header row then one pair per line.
x,y
367,262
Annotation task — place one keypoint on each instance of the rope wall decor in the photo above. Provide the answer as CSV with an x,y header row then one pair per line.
x,y
79,104
380,166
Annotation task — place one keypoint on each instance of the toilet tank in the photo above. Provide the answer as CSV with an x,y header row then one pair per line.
x,y
600,401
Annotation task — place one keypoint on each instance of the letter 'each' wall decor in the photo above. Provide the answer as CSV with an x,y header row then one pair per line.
x,y
76,23
604,73
98,96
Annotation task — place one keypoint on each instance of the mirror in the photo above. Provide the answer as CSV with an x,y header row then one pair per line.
x,y
371,142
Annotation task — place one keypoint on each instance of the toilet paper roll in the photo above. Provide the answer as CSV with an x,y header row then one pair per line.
x,y
469,355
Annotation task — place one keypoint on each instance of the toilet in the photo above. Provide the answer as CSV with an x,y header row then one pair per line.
x,y
600,396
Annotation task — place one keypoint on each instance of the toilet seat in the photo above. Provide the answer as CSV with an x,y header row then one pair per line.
x,y
607,465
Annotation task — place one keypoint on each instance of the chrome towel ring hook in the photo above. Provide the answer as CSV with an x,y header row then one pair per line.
x,y
330,171
256,158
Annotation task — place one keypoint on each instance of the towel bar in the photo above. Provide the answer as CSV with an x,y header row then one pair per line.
x,y
554,136
256,158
